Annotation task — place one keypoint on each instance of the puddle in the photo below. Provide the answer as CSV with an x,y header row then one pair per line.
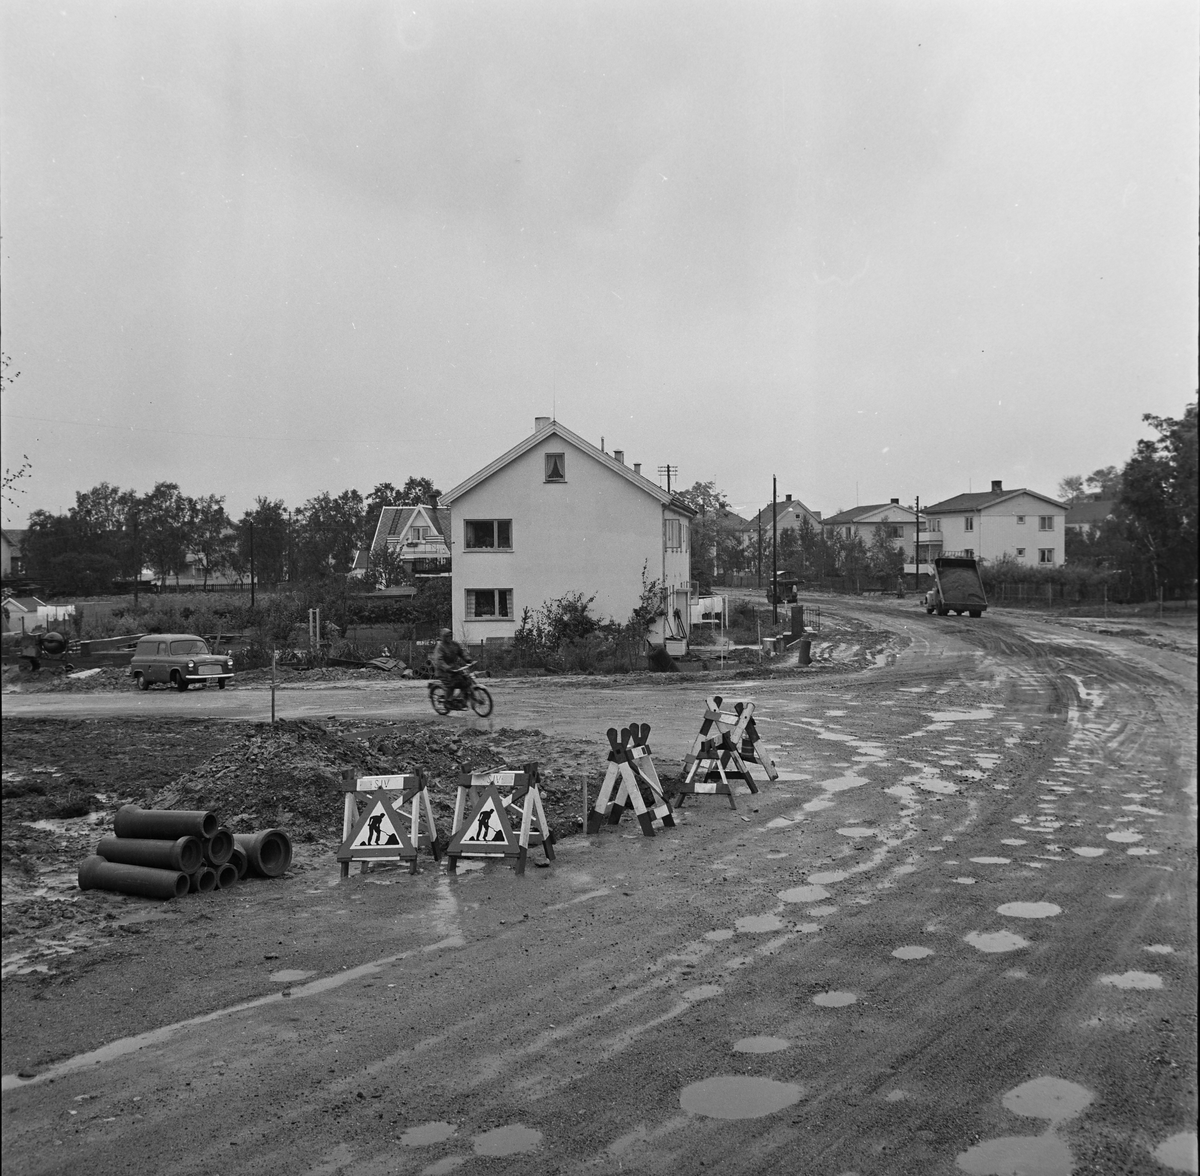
x,y
780,823
992,861
804,894
1124,835
912,952
759,923
821,911
957,716
1132,980
466,865
703,992
1055,1099
834,1000
1029,910
737,1096
841,784
1142,851
760,1045
289,974
944,787
427,1133
511,1140
808,928
828,877
1088,850
815,806
718,936
1012,841
776,853
964,881
858,831
1159,949
995,941
1179,1152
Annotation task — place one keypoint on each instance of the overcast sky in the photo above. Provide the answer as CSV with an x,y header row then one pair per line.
x,y
879,249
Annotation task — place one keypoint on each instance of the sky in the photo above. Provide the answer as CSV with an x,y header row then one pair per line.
x,y
874,249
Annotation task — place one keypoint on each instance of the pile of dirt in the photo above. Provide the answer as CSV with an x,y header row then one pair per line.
x,y
50,679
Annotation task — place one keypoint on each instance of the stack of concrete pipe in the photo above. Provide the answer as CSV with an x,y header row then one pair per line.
x,y
166,853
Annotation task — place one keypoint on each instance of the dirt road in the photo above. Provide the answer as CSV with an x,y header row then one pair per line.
x,y
958,934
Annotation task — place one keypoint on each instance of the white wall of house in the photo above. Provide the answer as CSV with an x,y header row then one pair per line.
x,y
592,532
1026,528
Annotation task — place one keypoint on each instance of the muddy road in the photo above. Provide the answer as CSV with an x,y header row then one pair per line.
x,y
956,935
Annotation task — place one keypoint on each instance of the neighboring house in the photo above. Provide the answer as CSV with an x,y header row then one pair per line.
x,y
1022,524
788,514
556,515
419,535
1086,517
12,558
23,614
898,522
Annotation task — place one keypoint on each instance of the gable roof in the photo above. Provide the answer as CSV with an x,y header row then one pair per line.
x,y
607,460
394,519
789,506
1090,514
970,502
859,514
16,538
26,603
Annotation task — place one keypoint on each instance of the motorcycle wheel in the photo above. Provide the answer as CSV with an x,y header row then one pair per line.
x,y
438,698
481,701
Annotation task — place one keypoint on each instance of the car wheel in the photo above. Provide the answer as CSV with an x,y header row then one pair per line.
x,y
221,684
438,698
143,683
481,702
178,681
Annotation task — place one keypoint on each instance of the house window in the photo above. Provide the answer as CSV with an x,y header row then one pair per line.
x,y
1046,523
934,525
849,532
1020,553
969,523
1045,555
969,552
673,534
894,532
489,603
487,534
556,467
1020,520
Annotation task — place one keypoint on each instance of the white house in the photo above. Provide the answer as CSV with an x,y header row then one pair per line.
x,y
556,515
1021,524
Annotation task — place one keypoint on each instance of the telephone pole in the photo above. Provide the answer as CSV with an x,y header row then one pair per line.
x,y
668,470
774,556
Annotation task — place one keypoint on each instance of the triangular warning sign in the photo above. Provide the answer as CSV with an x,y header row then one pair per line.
x,y
488,831
378,833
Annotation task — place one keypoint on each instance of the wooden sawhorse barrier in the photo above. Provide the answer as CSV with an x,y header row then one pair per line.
x,y
630,761
378,834
488,830
723,752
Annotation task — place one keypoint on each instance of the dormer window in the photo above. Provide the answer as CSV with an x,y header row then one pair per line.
x,y
556,467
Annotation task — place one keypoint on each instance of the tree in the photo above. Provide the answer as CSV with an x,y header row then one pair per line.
x,y
1105,483
327,533
884,557
10,488
712,505
167,520
266,528
386,567
419,492
385,494
214,539
1159,499
1070,490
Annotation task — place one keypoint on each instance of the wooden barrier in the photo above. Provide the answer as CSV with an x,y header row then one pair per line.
x,y
378,833
630,761
723,752
488,829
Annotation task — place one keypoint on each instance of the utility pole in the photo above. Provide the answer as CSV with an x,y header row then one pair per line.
x,y
137,561
760,551
251,565
668,470
774,556
917,551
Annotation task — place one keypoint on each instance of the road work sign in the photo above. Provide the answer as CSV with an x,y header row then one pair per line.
x,y
499,814
631,763
383,831
724,751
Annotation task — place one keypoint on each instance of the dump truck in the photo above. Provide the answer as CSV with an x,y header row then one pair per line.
x,y
957,587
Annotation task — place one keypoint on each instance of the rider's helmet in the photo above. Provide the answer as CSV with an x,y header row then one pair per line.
x,y
446,634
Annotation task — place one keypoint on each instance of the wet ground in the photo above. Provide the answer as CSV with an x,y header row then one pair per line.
x,y
956,935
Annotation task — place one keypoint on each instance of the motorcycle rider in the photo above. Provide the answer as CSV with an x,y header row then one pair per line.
x,y
448,658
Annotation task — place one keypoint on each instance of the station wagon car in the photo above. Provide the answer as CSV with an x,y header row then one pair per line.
x,y
179,660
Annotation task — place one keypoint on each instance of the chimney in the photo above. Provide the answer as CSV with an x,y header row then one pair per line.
x,y
997,488
787,498
895,501
619,454
637,467
539,423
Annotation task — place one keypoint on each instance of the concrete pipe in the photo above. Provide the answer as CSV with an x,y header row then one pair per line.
x,y
269,852
183,854
202,881
240,860
227,875
97,874
218,849
132,821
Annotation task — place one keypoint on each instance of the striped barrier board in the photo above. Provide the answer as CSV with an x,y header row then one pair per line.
x,y
631,782
484,818
378,832
723,752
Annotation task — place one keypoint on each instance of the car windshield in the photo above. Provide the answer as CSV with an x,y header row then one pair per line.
x,y
191,645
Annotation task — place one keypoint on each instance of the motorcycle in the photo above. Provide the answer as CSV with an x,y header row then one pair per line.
x,y
476,696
